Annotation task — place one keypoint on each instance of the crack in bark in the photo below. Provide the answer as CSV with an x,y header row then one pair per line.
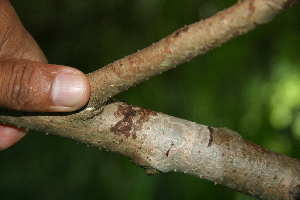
x,y
211,130
168,151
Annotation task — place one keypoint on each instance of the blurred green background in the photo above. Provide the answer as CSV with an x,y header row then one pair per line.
x,y
250,85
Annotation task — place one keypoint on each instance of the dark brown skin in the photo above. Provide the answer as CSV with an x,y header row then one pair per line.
x,y
27,82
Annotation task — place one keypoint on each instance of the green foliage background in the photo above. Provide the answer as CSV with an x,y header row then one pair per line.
x,y
250,85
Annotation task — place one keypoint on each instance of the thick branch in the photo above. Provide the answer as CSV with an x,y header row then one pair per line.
x,y
181,46
161,143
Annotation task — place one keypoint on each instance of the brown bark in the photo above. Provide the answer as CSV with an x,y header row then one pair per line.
x,y
161,143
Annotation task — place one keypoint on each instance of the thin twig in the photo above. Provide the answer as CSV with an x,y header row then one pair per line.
x,y
181,46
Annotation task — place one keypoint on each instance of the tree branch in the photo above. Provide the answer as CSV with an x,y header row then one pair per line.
x,y
161,143
181,46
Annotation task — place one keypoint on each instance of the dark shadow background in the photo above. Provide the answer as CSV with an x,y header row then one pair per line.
x,y
250,85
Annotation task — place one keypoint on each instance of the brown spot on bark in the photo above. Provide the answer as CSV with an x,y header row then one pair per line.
x,y
151,171
256,147
251,7
179,31
133,119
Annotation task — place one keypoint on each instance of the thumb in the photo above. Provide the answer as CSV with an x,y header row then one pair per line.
x,y
38,87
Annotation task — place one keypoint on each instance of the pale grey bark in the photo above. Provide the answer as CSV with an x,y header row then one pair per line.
x,y
160,143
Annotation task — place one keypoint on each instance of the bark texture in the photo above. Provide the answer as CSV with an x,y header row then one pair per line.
x,y
181,46
161,143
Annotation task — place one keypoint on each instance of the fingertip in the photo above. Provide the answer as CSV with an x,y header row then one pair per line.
x,y
39,87
9,135
70,90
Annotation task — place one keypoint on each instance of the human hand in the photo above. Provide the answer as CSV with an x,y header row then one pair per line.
x,y
27,83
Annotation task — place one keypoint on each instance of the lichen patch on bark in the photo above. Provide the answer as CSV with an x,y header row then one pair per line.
x,y
133,118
